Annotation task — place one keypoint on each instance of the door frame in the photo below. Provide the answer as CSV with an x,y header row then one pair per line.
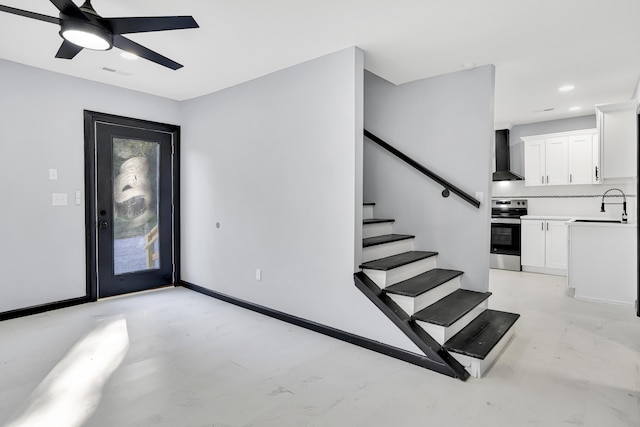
x,y
90,190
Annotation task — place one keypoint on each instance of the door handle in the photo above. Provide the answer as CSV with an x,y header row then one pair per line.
x,y
103,224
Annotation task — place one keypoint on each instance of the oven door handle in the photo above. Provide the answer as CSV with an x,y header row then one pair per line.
x,y
505,220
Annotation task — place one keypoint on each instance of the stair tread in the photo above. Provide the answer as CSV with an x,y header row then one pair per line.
x,y
377,220
387,238
479,337
395,261
451,308
422,283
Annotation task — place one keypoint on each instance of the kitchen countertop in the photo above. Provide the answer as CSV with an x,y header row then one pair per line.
x,y
571,220
549,217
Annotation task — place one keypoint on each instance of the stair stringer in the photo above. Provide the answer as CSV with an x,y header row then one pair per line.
x,y
442,361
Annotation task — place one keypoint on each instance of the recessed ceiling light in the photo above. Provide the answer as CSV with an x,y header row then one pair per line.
x,y
576,108
468,65
128,55
566,88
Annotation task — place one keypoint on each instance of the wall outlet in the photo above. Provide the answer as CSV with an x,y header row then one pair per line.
x,y
53,174
258,274
59,199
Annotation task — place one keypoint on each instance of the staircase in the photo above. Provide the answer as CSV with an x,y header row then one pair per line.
x,y
454,327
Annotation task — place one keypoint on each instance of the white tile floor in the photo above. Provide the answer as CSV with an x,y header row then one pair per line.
x,y
177,358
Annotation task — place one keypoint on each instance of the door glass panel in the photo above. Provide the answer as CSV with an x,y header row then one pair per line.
x,y
135,205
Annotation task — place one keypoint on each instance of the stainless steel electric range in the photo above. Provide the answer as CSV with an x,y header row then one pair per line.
x,y
505,233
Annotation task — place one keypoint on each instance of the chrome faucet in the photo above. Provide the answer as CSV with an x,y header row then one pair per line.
x,y
624,203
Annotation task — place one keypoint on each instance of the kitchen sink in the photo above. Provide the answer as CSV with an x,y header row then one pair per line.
x,y
613,221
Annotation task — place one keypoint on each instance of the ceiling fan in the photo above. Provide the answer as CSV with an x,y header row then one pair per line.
x,y
82,27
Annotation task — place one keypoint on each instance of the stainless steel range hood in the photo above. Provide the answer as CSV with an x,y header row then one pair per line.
x,y
503,161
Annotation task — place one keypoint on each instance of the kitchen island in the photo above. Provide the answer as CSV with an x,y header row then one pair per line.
x,y
603,261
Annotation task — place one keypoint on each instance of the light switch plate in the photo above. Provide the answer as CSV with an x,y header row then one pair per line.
x,y
53,174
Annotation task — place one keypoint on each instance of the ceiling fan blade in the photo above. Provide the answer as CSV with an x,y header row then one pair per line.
x,y
133,47
28,14
149,23
69,8
68,50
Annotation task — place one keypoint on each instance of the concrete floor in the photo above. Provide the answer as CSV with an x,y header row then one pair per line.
x,y
173,357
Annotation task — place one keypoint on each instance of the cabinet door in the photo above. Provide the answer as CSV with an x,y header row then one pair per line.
x,y
617,125
596,168
581,159
534,159
532,243
556,161
556,245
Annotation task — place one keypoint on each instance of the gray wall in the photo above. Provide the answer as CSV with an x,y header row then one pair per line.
x,y
540,128
445,123
42,250
275,161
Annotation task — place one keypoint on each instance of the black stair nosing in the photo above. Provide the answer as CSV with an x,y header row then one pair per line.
x,y
417,285
399,260
481,335
451,308
377,220
386,238
368,204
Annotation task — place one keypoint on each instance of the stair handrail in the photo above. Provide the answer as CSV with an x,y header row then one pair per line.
x,y
448,187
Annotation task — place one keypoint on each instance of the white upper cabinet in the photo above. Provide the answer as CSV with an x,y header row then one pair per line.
x,y
556,162
618,133
561,159
581,164
534,162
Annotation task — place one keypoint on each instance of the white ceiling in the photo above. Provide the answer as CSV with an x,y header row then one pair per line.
x,y
536,45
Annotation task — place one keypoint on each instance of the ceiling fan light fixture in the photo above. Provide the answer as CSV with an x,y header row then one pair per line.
x,y
86,35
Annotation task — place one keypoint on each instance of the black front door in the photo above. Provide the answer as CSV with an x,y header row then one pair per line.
x,y
131,166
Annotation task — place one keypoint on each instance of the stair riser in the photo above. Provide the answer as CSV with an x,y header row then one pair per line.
x,y
478,367
379,229
413,305
386,249
367,212
397,275
442,334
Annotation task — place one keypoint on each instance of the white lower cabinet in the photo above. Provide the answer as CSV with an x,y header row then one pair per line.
x,y
544,246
